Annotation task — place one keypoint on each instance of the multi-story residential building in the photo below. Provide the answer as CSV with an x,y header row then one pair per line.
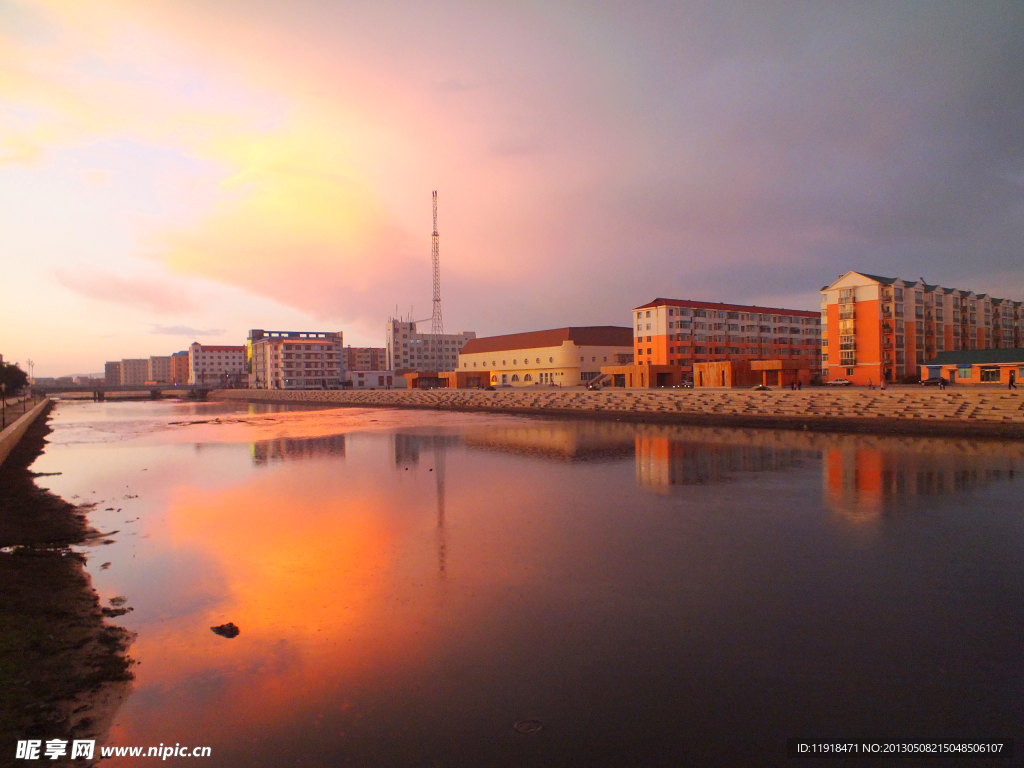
x,y
680,333
112,373
179,368
366,358
159,369
560,356
875,327
295,359
134,371
409,350
218,365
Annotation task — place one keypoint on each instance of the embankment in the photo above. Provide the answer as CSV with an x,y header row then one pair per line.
x,y
16,429
907,411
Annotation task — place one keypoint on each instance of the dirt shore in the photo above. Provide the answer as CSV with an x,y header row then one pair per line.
x,y
63,670
995,414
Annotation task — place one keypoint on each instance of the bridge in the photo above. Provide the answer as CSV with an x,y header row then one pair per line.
x,y
153,391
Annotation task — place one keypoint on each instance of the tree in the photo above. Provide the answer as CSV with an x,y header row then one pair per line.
x,y
13,377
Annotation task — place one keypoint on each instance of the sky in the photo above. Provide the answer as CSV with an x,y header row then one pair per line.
x,y
179,170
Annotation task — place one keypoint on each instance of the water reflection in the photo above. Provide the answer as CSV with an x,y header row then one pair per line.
x,y
662,462
283,449
407,605
867,478
567,441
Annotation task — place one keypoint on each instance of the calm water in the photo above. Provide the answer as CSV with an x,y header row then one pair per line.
x,y
410,585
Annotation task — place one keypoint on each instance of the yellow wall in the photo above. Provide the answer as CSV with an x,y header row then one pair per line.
x,y
562,364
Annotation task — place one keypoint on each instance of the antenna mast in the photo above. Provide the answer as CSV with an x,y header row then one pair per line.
x,y
436,324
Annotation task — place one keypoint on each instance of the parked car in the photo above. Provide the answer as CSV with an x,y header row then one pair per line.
x,y
937,382
840,383
761,388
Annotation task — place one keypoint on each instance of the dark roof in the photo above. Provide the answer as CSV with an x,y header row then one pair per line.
x,y
588,336
880,279
979,357
728,307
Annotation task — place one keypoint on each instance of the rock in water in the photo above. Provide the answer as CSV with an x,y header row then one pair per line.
x,y
228,630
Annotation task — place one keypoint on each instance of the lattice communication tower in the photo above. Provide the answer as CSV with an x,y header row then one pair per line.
x,y
436,324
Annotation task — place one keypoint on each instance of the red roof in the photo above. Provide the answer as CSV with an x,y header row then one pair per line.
x,y
727,307
589,336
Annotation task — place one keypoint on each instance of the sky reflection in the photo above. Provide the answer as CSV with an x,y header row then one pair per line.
x,y
410,584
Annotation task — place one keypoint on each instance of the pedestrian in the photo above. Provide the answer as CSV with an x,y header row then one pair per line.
x,y
871,384
1013,380
942,382
792,385
882,385
800,384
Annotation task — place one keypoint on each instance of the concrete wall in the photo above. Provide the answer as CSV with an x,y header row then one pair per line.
x,y
14,432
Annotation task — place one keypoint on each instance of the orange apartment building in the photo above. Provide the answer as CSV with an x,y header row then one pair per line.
x,y
875,327
680,333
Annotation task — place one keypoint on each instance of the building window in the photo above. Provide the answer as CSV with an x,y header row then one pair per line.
x,y
551,359
963,372
849,371
515,377
990,374
527,377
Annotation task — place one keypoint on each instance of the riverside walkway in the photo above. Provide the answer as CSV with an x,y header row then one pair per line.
x,y
900,410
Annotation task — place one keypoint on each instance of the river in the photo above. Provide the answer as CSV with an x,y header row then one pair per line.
x,y
417,588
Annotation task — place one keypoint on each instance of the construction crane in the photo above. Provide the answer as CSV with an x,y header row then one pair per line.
x,y
436,324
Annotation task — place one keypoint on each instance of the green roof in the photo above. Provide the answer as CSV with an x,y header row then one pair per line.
x,y
979,357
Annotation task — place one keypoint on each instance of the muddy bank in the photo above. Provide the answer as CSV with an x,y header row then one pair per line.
x,y
63,670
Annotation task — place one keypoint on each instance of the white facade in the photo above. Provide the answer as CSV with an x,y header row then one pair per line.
x,y
216,365
134,371
296,359
371,379
566,357
160,369
408,350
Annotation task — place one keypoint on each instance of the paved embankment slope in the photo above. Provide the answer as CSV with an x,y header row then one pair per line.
x,y
17,428
988,413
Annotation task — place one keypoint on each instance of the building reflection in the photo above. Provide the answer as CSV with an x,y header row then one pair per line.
x,y
566,441
409,448
865,478
290,448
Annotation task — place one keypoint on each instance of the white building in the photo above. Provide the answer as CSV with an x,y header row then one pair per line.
x,y
372,380
134,371
159,369
567,357
216,365
409,350
296,359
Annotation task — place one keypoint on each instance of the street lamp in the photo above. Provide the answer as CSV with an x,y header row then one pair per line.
x,y
3,397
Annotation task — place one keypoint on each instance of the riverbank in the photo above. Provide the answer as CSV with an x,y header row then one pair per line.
x,y
904,411
63,670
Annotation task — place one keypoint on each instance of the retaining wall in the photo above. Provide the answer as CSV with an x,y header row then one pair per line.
x,y
992,413
14,432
